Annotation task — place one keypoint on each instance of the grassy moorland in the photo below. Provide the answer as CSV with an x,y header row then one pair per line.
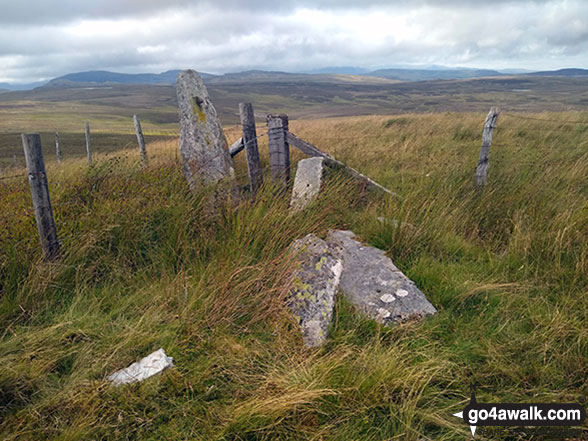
x,y
145,266
109,107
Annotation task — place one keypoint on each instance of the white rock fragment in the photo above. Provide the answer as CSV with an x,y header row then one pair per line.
x,y
387,298
383,314
401,293
147,367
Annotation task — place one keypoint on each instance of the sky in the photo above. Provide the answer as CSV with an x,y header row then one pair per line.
x,y
43,39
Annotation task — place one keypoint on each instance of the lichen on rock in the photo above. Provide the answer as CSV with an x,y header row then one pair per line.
x,y
314,286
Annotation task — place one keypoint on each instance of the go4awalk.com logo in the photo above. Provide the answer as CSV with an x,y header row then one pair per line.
x,y
509,414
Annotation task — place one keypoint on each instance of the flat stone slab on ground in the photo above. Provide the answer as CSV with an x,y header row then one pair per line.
x,y
375,285
307,183
153,364
315,282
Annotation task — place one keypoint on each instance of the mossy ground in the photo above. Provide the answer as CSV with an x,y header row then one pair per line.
x,y
145,266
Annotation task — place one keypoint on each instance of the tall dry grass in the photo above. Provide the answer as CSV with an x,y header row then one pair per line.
x,y
145,266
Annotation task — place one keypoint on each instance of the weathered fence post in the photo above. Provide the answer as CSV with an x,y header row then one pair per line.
x,y
14,160
140,138
40,193
279,152
88,146
251,149
484,160
57,147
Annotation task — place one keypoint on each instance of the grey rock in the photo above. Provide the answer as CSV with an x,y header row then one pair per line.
x,y
375,285
307,183
203,146
314,286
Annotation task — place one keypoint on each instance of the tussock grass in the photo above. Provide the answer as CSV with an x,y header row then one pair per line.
x,y
146,266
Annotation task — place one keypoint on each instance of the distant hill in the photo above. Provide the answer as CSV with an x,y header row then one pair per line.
x,y
98,78
343,74
106,77
562,73
432,74
25,86
345,70
265,77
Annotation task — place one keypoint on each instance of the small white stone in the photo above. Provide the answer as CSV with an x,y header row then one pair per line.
x,y
383,313
401,293
147,367
387,298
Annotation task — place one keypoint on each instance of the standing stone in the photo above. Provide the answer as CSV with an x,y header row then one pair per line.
x,y
307,182
203,146
314,286
375,286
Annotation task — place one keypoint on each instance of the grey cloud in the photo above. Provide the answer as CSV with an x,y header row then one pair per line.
x,y
62,11
227,35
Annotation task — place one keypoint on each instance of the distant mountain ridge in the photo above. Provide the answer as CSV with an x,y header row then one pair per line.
x,y
432,74
104,77
343,73
569,72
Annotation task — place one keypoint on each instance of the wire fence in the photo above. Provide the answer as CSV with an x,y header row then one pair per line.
x,y
104,140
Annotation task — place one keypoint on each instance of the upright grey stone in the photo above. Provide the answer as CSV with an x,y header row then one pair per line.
x,y
375,286
307,183
314,286
203,146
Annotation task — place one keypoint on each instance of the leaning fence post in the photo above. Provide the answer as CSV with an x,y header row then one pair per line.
x,y
279,152
57,147
88,146
251,149
484,160
40,193
140,138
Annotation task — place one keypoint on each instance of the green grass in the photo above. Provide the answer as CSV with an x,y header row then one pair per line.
x,y
146,265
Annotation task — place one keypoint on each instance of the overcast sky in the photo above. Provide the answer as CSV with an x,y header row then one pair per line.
x,y
42,39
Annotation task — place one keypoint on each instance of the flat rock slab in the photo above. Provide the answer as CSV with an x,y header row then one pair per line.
x,y
153,364
314,286
375,286
203,146
307,183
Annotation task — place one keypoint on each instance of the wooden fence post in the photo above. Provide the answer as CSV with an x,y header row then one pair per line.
x,y
484,160
57,148
88,146
279,151
40,193
251,149
140,138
